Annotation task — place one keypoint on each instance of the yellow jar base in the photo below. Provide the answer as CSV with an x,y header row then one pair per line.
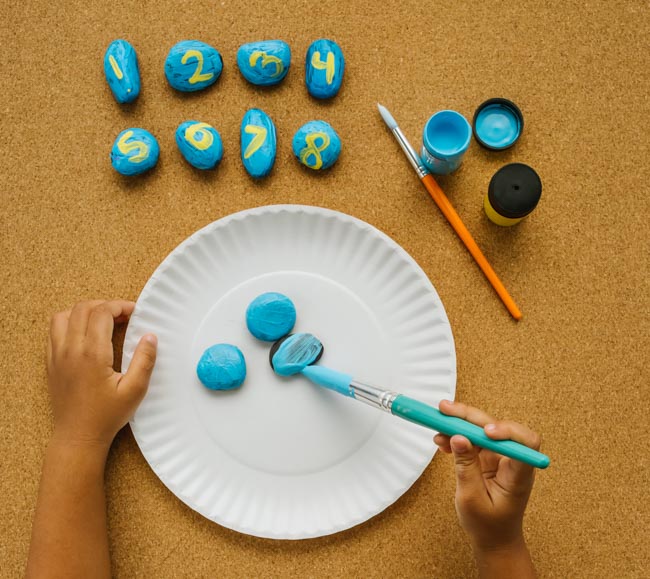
x,y
495,217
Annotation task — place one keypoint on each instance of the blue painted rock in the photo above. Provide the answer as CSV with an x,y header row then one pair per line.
x,y
270,316
222,367
134,151
200,144
324,68
192,65
258,143
316,145
264,63
121,70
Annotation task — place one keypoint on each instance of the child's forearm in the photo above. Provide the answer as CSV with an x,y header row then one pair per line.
x,y
69,537
511,561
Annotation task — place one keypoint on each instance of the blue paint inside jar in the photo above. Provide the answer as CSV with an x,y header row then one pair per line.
x,y
497,126
447,135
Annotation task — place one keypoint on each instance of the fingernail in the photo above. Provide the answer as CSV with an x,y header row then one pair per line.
x,y
490,427
153,340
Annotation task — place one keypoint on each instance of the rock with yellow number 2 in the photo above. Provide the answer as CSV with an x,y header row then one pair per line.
x,y
200,144
264,63
316,145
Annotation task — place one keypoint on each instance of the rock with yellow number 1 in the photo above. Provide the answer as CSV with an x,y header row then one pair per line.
x,y
264,63
122,72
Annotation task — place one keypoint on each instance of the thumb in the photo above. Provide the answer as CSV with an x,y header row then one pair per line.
x,y
469,477
135,382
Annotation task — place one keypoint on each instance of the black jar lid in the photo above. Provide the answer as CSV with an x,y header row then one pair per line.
x,y
514,190
497,124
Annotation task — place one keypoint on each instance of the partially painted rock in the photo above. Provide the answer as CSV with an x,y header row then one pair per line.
x,y
134,152
264,63
192,65
316,145
200,144
258,143
324,68
121,70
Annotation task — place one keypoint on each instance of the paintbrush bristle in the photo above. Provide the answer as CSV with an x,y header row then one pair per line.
x,y
388,118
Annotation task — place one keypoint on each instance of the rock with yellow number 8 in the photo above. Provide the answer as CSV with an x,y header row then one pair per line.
x,y
316,145
324,68
264,63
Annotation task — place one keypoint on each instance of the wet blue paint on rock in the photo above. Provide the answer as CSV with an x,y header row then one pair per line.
x,y
200,144
222,367
316,145
192,65
270,316
264,63
324,67
121,70
134,152
258,143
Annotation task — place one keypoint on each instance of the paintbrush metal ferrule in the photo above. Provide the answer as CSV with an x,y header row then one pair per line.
x,y
373,396
410,153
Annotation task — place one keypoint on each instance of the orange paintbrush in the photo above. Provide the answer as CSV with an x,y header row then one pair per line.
x,y
450,213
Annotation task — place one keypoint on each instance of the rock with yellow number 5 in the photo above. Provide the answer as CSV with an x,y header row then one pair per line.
x,y
134,152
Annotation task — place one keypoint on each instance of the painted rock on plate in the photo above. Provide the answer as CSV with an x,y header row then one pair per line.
x,y
192,65
258,143
316,145
264,63
121,70
200,144
222,367
134,151
324,68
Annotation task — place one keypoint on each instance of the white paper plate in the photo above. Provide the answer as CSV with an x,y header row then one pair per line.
x,y
281,457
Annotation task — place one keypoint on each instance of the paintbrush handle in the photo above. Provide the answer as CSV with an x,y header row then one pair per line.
x,y
454,220
425,415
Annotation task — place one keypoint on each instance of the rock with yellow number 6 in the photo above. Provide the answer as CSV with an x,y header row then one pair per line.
x,y
324,68
316,145
200,144
264,63
134,152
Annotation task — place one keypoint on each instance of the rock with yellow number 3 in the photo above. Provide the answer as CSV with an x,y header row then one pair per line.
x,y
264,63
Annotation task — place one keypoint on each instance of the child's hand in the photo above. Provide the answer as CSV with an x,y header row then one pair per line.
x,y
91,401
491,490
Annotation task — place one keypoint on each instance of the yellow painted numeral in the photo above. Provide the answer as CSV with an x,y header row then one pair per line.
x,y
313,150
125,148
257,141
205,139
328,66
267,59
197,76
115,67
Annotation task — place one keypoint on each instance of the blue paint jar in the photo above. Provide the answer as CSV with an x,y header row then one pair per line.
x,y
446,138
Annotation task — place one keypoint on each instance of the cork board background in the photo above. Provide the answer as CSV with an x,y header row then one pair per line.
x,y
575,368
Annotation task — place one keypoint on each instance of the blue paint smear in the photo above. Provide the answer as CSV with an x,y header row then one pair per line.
x,y
328,149
266,71
497,126
316,74
258,157
127,88
179,75
200,158
295,353
222,367
331,379
128,163
270,316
